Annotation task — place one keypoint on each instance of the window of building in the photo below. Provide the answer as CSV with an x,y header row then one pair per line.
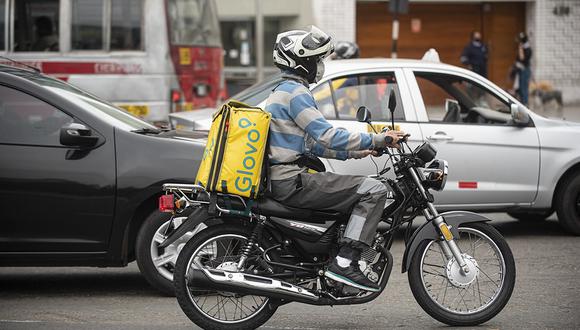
x,y
91,25
239,39
2,24
36,25
26,120
475,103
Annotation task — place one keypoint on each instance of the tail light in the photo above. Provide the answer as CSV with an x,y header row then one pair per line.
x,y
175,96
166,203
175,100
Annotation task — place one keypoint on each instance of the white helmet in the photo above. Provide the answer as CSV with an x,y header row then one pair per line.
x,y
302,52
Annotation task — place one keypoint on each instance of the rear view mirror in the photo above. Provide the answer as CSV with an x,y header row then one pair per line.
x,y
363,115
77,135
520,114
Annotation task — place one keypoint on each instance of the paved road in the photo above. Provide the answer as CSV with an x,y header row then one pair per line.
x,y
547,294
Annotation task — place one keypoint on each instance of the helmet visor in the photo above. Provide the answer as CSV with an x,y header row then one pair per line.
x,y
315,39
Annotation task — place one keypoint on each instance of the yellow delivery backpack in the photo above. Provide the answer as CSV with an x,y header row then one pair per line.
x,y
233,160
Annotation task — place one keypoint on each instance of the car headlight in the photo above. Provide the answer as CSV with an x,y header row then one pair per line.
x,y
436,174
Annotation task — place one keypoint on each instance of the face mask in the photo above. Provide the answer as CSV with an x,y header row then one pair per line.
x,y
319,71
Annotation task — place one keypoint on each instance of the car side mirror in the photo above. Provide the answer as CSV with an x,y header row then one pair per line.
x,y
520,114
77,135
363,115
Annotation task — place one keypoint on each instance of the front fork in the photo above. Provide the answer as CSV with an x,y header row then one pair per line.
x,y
447,244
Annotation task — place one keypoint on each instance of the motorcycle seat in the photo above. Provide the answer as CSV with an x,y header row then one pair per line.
x,y
269,207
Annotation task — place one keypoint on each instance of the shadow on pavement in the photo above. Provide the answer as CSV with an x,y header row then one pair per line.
x,y
530,228
74,282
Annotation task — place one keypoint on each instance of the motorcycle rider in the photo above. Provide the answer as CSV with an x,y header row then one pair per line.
x,y
297,129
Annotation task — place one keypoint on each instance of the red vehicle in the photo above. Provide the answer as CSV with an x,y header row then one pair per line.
x,y
150,57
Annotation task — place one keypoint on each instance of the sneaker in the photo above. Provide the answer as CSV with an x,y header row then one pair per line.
x,y
351,275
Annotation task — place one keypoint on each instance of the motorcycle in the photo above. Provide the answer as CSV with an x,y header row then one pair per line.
x,y
256,258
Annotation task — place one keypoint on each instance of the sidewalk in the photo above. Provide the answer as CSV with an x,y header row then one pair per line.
x,y
570,112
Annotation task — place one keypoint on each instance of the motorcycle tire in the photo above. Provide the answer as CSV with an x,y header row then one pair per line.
x,y
181,288
429,304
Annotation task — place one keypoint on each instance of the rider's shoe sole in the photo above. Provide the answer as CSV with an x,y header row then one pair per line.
x,y
348,282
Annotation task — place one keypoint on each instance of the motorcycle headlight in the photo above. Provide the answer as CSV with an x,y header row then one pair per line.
x,y
436,174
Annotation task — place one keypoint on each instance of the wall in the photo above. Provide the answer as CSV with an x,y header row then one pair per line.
x,y
556,45
336,17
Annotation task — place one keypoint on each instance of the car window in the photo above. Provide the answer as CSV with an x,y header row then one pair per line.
x,y
476,104
323,96
36,25
370,90
26,120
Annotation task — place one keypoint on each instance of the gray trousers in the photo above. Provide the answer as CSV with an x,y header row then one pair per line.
x,y
331,191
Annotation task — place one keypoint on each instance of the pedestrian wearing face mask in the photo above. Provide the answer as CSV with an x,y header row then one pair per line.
x,y
474,55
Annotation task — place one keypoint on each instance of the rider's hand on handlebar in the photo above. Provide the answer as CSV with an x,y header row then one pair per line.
x,y
393,138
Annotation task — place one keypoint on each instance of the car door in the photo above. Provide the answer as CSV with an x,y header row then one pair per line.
x,y
492,161
53,199
340,96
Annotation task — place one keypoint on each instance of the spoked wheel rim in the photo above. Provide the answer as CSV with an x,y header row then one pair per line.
x,y
164,259
470,296
222,252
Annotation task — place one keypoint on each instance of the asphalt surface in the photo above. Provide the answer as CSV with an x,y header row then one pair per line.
x,y
547,294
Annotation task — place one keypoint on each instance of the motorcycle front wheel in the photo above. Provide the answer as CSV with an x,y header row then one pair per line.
x,y
457,299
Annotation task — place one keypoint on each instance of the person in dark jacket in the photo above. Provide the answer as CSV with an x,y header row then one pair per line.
x,y
474,55
523,64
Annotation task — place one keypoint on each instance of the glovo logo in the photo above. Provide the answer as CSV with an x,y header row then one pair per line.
x,y
208,152
244,179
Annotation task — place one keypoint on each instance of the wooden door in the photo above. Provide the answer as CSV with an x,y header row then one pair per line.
x,y
445,27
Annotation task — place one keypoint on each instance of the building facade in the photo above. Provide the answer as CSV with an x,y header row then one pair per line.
x,y
553,27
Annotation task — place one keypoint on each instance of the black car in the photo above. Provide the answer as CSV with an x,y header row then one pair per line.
x,y
80,179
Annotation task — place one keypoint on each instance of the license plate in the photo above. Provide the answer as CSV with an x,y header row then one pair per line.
x,y
137,110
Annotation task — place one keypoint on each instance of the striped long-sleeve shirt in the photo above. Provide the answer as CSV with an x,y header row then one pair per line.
x,y
297,126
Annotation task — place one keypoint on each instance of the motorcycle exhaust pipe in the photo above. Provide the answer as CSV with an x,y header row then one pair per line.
x,y
249,284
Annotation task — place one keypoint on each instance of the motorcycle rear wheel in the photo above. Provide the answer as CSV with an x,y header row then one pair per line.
x,y
190,299
467,304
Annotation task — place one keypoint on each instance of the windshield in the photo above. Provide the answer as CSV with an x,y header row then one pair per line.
x,y
112,114
258,93
194,22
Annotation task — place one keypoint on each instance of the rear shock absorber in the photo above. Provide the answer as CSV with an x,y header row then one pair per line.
x,y
252,241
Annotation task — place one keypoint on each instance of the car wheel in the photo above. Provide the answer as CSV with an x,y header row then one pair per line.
x,y
157,264
568,205
530,215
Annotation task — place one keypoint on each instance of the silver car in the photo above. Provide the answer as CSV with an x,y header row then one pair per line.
x,y
502,156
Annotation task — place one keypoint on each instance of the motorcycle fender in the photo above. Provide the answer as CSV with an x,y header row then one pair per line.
x,y
427,232
197,217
